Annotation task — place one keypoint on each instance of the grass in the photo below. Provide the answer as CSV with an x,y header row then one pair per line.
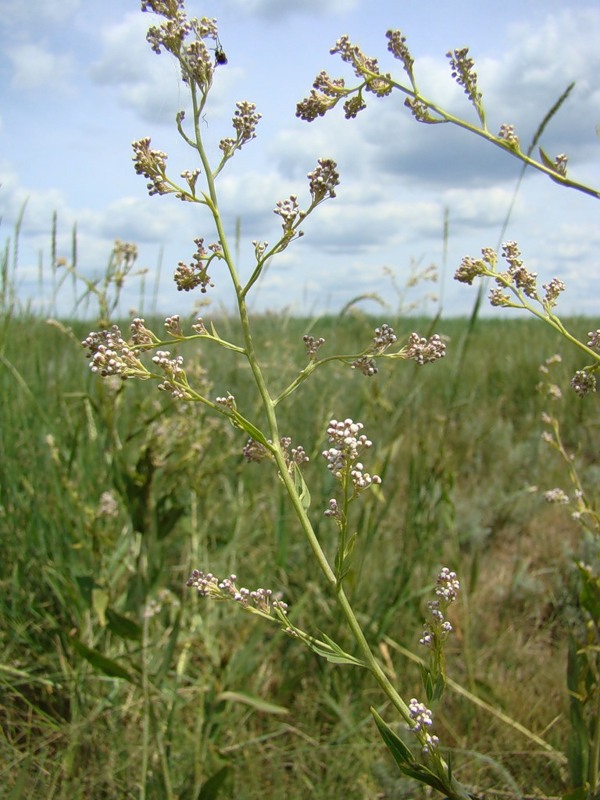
x,y
120,682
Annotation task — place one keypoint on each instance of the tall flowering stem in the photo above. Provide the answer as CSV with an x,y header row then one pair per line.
x,y
328,92
196,46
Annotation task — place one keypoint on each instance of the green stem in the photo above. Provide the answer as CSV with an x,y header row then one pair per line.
x,y
453,789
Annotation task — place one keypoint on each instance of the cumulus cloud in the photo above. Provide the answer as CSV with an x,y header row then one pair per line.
x,y
275,9
35,67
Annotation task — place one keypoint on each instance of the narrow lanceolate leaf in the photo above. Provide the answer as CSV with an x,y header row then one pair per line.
x,y
212,786
123,626
301,488
403,756
253,702
102,663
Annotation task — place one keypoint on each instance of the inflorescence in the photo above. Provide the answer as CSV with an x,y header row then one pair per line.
x,y
437,629
208,585
343,458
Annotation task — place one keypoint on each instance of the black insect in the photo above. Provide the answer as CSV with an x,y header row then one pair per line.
x,y
220,57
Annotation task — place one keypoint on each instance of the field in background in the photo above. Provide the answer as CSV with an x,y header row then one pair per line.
x,y
115,675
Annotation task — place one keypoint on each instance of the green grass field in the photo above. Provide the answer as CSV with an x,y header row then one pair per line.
x,y
119,682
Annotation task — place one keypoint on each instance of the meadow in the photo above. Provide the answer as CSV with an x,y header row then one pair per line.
x,y
118,681
135,664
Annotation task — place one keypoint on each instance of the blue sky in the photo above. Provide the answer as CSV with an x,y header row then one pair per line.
x,y
78,83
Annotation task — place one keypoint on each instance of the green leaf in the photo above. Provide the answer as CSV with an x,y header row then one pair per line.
x,y
301,488
99,604
546,160
122,626
211,787
581,793
590,593
253,702
86,583
404,757
101,662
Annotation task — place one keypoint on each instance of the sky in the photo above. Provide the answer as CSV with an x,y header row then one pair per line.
x,y
79,83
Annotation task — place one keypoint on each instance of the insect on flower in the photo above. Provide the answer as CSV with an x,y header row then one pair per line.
x,y
220,57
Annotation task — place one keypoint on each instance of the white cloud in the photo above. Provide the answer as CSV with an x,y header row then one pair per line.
x,y
275,9
18,15
36,67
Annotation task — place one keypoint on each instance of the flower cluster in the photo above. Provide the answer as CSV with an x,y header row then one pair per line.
x,y
397,47
517,274
208,585
516,277
437,629
557,496
594,339
169,35
507,134
312,345
323,96
290,214
141,336
323,180
189,276
152,165
384,338
175,380
173,326
422,720
254,451
583,382
364,66
296,456
110,354
464,74
343,458
423,350
366,365
245,120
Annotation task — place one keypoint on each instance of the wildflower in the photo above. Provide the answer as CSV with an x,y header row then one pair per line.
x,y
422,719
420,111
464,74
594,339
366,365
507,133
289,211
424,351
499,298
552,291
436,630
333,510
323,180
175,380
141,336
583,382
343,457
110,354
152,164
244,120
254,451
364,67
519,275
189,276
173,325
397,47
560,163
208,585
469,269
228,402
312,345
556,496
107,505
